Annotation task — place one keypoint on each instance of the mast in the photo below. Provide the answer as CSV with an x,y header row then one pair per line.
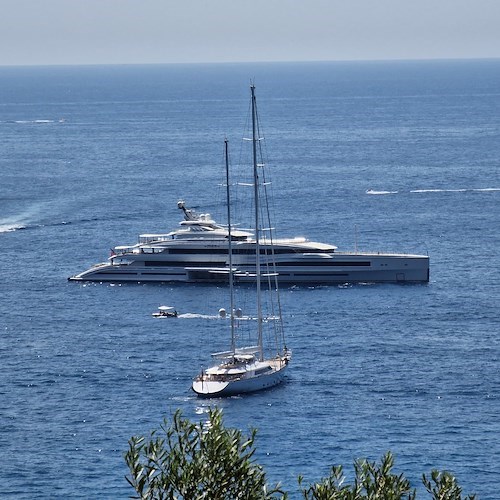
x,y
257,236
230,249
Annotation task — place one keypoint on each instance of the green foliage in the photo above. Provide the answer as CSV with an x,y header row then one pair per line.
x,y
372,481
184,460
331,487
196,461
444,486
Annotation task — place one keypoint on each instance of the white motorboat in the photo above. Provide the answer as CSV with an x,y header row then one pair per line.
x,y
165,312
248,369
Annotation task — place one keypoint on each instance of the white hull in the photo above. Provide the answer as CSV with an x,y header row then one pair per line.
x,y
338,267
204,387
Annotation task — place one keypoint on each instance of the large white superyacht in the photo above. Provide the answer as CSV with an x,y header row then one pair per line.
x,y
198,252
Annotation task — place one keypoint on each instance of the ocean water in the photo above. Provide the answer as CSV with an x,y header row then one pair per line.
x,y
382,156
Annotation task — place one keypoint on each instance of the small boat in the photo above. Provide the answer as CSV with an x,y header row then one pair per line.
x,y
165,312
248,369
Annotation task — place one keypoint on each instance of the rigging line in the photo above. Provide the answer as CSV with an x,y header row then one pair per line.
x,y
243,174
257,242
271,267
230,249
280,325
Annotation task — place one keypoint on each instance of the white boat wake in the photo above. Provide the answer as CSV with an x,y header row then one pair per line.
x,y
424,191
212,316
6,227
16,222
374,192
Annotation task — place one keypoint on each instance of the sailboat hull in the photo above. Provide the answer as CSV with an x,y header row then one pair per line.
x,y
205,387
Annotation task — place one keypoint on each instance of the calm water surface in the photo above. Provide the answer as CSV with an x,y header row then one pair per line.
x,y
92,156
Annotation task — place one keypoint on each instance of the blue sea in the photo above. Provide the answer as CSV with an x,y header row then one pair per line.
x,y
378,156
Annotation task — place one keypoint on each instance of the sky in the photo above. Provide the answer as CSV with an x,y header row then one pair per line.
x,y
46,32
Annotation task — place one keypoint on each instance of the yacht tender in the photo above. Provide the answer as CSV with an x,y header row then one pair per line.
x,y
198,252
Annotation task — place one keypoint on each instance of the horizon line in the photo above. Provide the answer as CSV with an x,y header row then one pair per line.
x,y
214,63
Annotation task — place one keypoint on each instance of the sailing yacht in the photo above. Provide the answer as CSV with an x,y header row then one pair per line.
x,y
247,369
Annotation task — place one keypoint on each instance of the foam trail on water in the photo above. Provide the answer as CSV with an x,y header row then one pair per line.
x,y
25,221
6,227
374,192
29,122
458,190
433,190
19,221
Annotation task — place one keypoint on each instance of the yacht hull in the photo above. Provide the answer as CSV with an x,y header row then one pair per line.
x,y
334,269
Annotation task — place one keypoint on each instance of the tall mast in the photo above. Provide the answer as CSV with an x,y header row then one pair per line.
x,y
230,249
257,235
